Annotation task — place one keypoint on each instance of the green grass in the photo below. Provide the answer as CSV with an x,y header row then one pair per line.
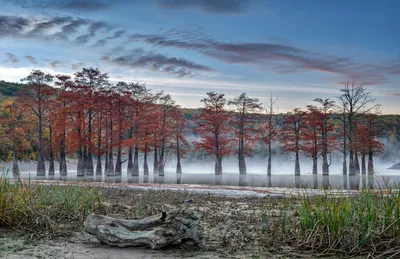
x,y
368,223
44,208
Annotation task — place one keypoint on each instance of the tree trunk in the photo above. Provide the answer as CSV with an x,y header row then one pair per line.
x,y
145,164
161,162
41,167
363,168
370,163
118,164
178,226
130,161
178,157
344,165
218,165
242,164
85,159
315,166
110,162
357,163
15,168
242,161
297,165
51,152
352,164
135,171
269,159
63,159
106,162
155,164
178,166
325,165
89,170
99,169
81,163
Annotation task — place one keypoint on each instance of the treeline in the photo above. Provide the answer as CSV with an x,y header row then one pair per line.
x,y
8,89
87,117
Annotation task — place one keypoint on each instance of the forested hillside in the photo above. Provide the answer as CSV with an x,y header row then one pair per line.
x,y
8,89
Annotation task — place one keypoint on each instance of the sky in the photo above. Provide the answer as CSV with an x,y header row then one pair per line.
x,y
295,50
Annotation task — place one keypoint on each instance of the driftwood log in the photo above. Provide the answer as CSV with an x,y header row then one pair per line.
x,y
178,226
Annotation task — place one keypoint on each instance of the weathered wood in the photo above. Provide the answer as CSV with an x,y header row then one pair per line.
x,y
178,226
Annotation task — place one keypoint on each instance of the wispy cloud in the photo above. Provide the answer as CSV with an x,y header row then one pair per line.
x,y
73,5
214,6
280,58
31,59
103,42
139,59
11,58
53,28
77,66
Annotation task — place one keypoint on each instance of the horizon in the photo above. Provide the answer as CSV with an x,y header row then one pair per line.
x,y
188,48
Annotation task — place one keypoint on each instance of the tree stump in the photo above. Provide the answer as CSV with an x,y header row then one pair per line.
x,y
178,226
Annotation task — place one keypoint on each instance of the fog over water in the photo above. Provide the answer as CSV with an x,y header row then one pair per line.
x,y
202,172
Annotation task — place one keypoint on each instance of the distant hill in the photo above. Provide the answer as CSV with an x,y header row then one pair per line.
x,y
8,89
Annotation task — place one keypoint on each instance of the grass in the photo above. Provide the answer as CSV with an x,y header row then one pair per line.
x,y
45,209
365,224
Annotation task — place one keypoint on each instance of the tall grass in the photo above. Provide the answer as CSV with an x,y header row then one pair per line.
x,y
37,208
368,223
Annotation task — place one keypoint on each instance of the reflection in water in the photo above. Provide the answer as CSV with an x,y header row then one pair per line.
x,y
364,181
218,179
345,184
109,179
315,181
371,182
242,180
354,182
297,181
133,179
161,179
336,181
325,182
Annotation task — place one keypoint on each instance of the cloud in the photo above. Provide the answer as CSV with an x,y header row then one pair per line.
x,y
12,25
77,66
31,59
11,58
72,5
139,58
53,28
214,6
280,58
116,35
54,63
103,42
94,27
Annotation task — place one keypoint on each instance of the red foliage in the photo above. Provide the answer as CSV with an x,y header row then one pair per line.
x,y
213,127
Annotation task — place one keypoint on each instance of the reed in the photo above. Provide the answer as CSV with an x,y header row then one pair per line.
x,y
44,208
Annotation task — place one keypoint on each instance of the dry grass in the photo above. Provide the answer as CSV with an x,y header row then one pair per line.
x,y
43,209
364,225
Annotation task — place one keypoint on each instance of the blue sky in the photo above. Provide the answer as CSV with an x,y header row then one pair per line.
x,y
295,50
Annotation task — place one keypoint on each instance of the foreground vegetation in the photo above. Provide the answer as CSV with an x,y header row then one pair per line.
x,y
364,224
42,209
324,225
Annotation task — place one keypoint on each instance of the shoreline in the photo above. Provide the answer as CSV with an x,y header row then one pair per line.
x,y
214,190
